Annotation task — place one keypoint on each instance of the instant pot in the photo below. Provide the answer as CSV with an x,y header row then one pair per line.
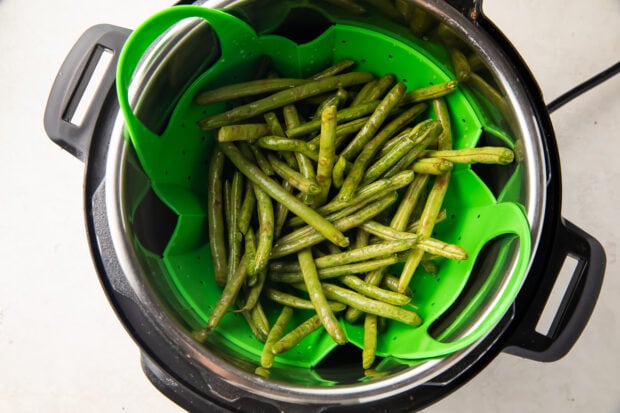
x,y
128,226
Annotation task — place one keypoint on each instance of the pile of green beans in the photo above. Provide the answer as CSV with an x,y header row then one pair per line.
x,y
316,188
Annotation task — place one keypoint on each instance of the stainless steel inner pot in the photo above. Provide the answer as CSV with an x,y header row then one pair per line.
x,y
173,62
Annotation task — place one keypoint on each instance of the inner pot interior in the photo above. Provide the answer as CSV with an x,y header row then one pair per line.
x,y
170,268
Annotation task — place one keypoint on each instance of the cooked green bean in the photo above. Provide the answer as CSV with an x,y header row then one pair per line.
x,y
386,8
405,151
460,65
255,291
491,93
384,84
358,169
343,131
293,177
275,334
390,282
434,200
338,270
253,173
337,99
432,166
260,158
348,5
429,266
369,305
260,320
313,284
229,294
485,154
277,143
283,98
247,208
372,291
215,214
395,140
431,245
344,115
429,92
294,337
282,247
266,227
297,302
291,116
370,341
257,328
246,89
415,225
242,132
408,202
234,235
281,211
250,251
335,69
327,154
339,171
362,95
273,124
377,118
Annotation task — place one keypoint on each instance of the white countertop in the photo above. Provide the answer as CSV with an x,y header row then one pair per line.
x,y
62,348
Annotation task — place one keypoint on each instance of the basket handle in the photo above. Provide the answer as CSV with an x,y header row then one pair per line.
x,y
237,32
577,302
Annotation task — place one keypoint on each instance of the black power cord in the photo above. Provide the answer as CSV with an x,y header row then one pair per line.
x,y
583,87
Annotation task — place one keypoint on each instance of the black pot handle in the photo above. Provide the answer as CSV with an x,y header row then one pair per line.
x,y
577,302
71,81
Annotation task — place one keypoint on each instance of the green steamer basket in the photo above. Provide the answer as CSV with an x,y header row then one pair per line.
x,y
176,162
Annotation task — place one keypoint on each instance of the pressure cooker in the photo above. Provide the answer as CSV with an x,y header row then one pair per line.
x,y
128,226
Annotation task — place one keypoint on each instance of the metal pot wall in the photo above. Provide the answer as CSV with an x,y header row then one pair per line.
x,y
121,209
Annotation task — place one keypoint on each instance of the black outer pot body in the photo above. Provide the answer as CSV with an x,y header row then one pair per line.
x,y
180,379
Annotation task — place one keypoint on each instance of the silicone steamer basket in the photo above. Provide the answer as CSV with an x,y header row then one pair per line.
x,y
176,162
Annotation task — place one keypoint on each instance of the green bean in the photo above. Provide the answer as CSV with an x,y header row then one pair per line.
x,y
313,284
246,89
384,83
348,5
392,142
277,143
336,99
260,158
431,245
371,148
242,132
362,95
476,64
299,333
247,208
335,69
421,22
275,334
344,115
339,270
403,153
370,341
387,8
343,131
377,118
390,282
489,92
433,202
429,92
255,291
414,226
369,305
372,291
404,8
229,294
282,247
215,214
292,118
266,227
250,251
429,266
327,154
485,154
260,320
338,172
432,166
283,98
408,202
361,239
297,302
234,235
257,328
296,179
273,124
252,172
460,65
